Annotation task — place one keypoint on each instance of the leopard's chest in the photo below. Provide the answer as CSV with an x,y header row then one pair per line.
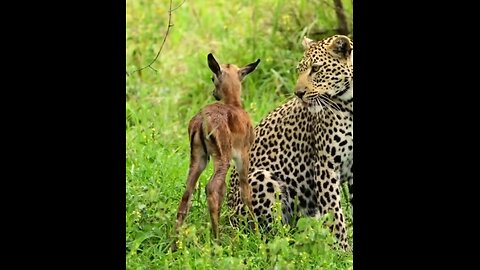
x,y
334,137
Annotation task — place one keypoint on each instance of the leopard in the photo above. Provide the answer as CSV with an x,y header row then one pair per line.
x,y
302,155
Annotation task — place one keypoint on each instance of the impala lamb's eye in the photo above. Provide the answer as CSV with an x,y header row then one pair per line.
x,y
315,68
213,79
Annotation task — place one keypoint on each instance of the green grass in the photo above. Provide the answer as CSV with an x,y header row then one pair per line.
x,y
160,104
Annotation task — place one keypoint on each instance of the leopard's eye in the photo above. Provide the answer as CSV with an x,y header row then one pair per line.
x,y
314,69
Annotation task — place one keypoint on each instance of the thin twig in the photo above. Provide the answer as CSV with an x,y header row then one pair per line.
x,y
177,6
170,10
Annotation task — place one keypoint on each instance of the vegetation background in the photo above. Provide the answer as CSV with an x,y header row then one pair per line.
x,y
160,103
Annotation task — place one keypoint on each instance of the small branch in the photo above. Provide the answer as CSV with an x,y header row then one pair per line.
x,y
342,19
170,10
341,16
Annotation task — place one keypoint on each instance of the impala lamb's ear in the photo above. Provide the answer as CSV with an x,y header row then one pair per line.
x,y
243,72
341,47
213,65
306,43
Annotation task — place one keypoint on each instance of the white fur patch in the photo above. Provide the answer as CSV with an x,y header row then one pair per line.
x,y
348,95
315,109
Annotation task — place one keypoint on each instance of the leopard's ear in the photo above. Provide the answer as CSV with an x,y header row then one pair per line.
x,y
351,57
341,47
306,43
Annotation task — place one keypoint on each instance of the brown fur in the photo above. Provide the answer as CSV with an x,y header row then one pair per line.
x,y
223,131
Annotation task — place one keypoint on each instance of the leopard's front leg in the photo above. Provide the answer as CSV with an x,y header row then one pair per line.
x,y
330,201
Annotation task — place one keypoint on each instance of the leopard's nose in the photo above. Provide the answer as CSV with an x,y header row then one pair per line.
x,y
300,93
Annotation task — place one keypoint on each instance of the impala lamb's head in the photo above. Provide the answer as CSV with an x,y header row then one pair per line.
x,y
228,77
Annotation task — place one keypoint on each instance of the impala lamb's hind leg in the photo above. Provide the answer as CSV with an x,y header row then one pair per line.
x,y
198,162
215,191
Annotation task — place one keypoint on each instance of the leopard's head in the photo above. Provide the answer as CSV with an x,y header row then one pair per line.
x,y
325,71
